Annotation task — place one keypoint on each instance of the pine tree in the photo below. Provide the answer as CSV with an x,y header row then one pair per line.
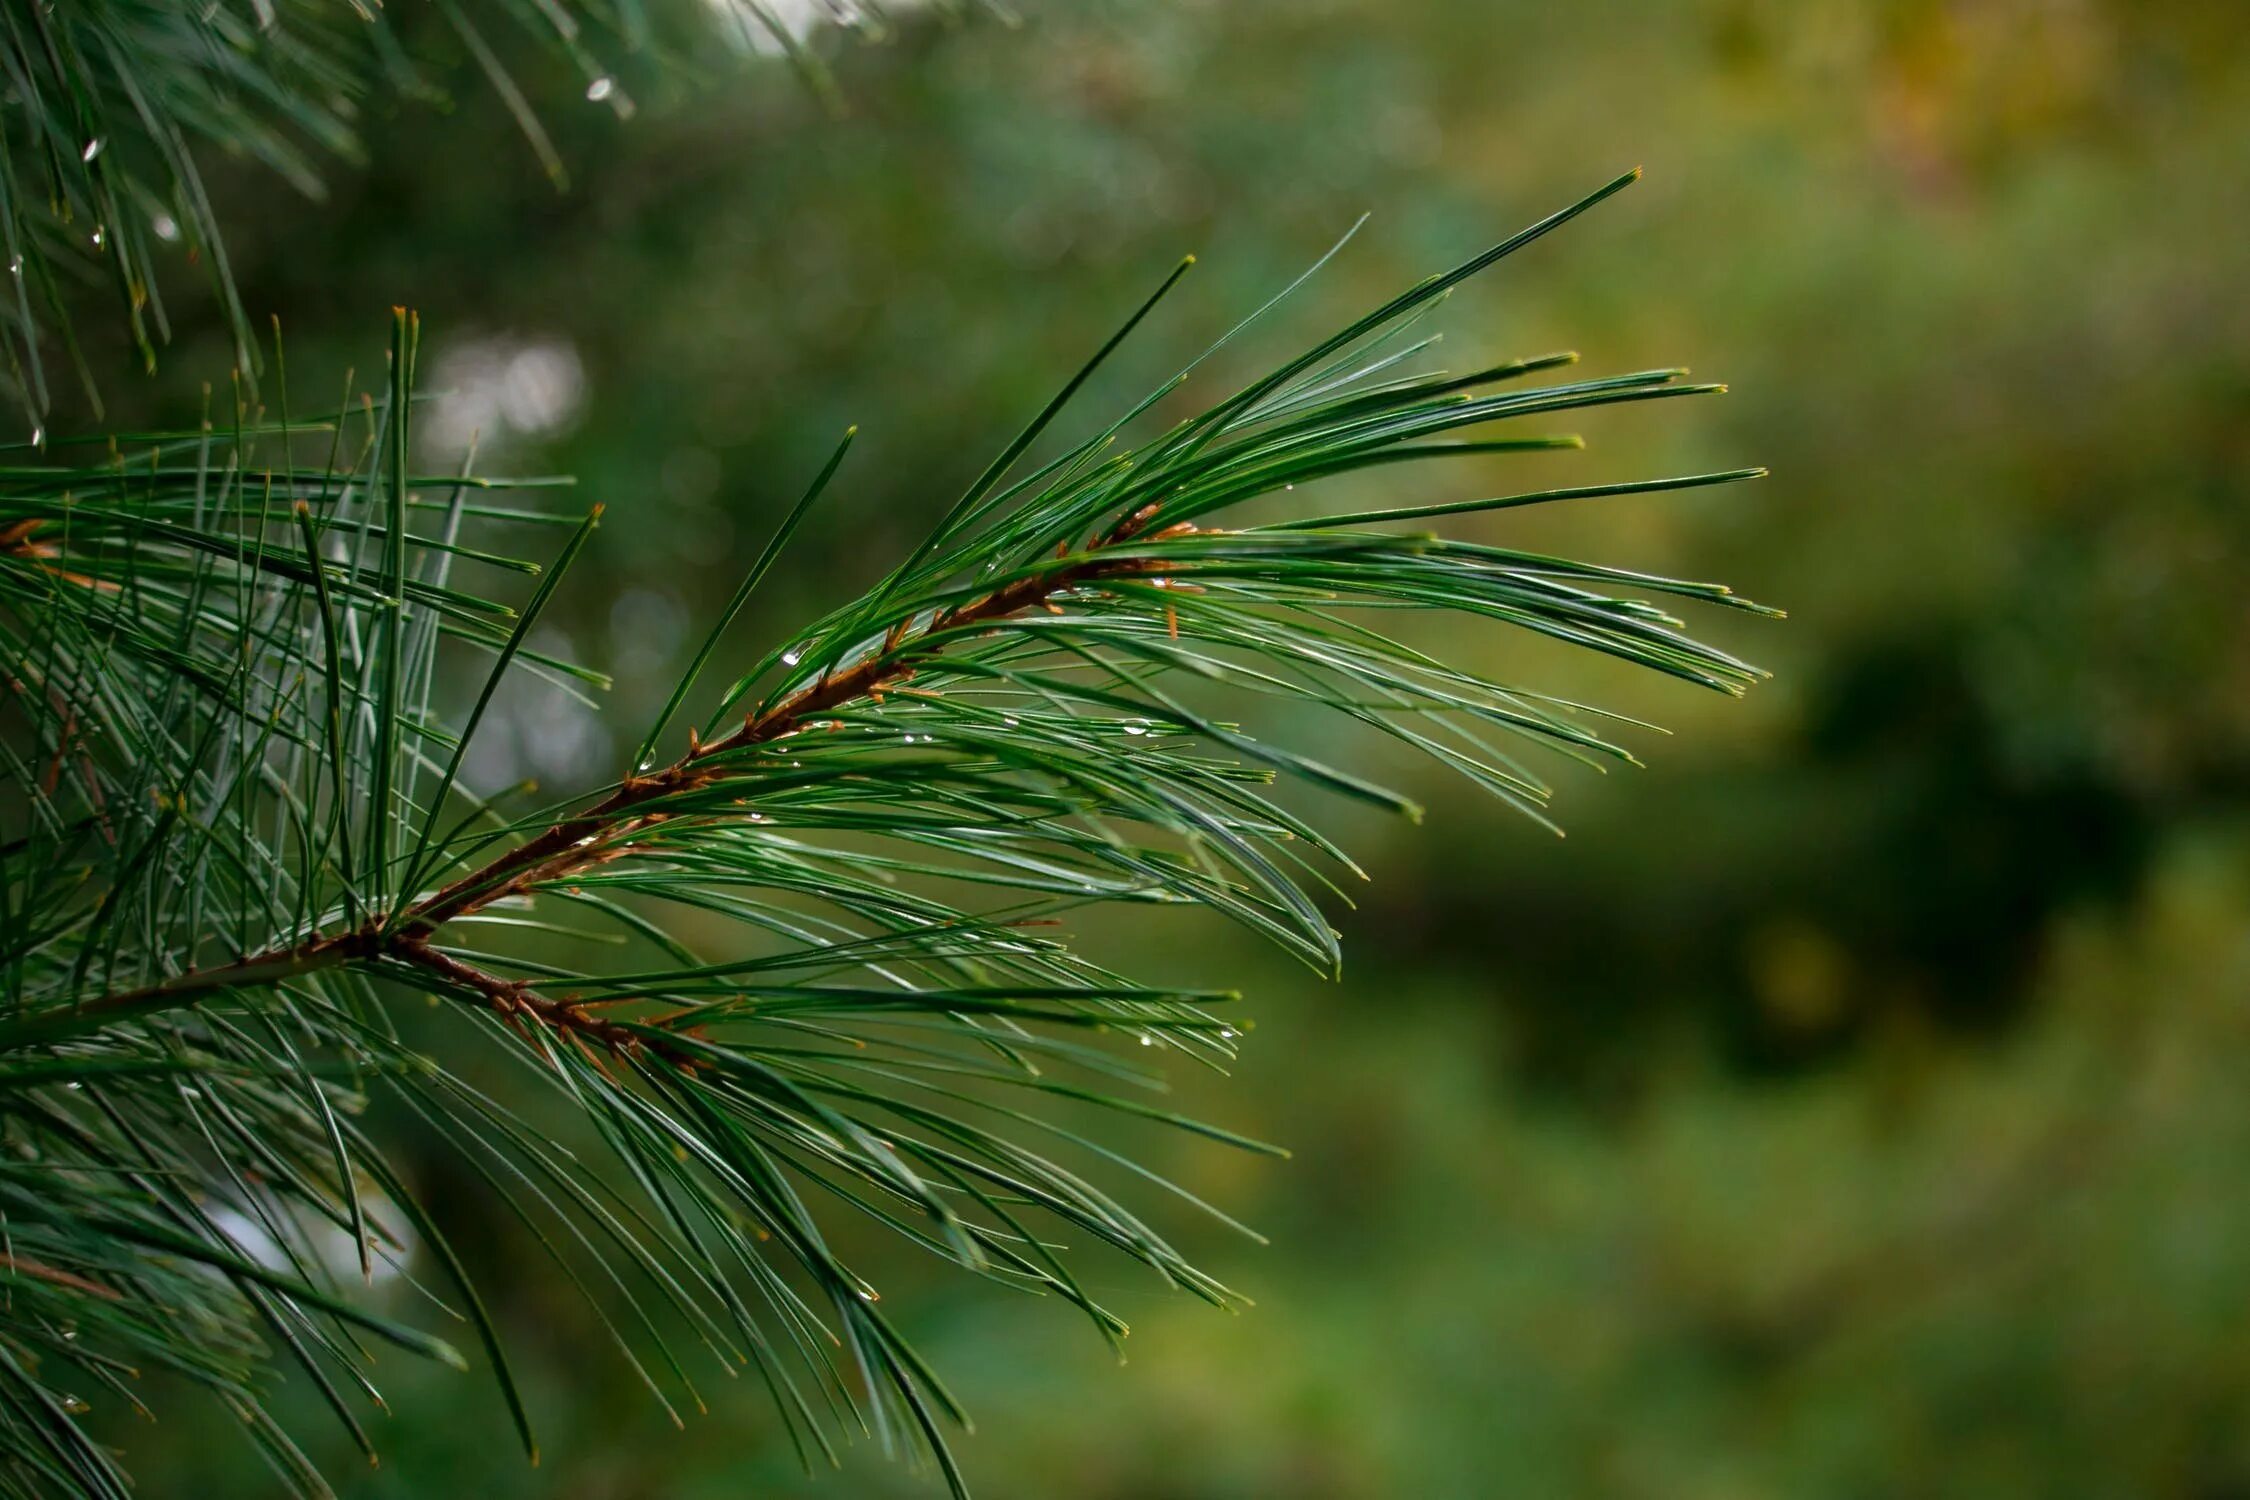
x,y
253,918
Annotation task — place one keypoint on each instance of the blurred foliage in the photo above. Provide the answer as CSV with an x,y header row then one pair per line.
x,y
1849,1106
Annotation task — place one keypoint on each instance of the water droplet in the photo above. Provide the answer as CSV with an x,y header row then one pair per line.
x,y
15,265
93,149
70,1335
1288,486
792,656
1136,729
74,1087
38,437
601,88
1229,1032
76,1405
1147,1040
97,236
166,227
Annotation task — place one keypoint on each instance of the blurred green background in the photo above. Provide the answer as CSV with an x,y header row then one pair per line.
x,y
1853,1104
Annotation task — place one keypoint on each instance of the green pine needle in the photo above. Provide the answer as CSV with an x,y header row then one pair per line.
x,y
113,110
238,852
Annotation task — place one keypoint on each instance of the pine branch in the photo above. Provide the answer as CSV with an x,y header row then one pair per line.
x,y
588,838
238,838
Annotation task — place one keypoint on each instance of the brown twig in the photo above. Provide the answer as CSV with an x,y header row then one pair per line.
x,y
513,998
24,1265
597,833
17,541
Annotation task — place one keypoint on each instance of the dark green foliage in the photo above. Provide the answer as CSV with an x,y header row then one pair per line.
x,y
238,842
110,105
